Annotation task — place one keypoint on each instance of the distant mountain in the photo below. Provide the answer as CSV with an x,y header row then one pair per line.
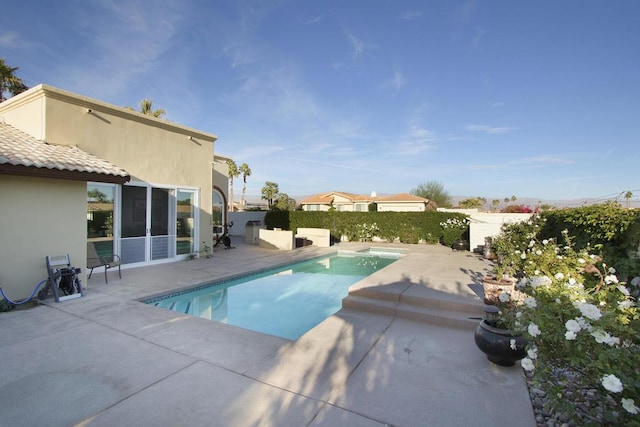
x,y
455,200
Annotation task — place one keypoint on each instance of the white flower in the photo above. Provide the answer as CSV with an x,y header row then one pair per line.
x,y
559,276
581,260
531,302
635,281
611,383
503,297
532,243
590,311
611,278
623,289
612,270
523,256
538,252
537,281
570,335
545,241
527,364
623,305
558,301
532,353
630,406
512,344
533,329
572,325
603,337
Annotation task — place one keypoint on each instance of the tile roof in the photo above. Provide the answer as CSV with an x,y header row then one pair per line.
x,y
22,150
328,198
402,197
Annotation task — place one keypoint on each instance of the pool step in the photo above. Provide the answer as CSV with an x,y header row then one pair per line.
x,y
448,313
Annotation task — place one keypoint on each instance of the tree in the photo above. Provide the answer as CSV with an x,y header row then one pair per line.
x,y
474,203
9,82
233,173
495,203
269,193
514,198
146,108
434,191
284,202
245,170
628,195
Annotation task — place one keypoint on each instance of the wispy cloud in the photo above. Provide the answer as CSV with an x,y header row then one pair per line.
x,y
357,46
9,39
275,93
123,43
497,104
478,35
411,15
489,129
396,82
526,163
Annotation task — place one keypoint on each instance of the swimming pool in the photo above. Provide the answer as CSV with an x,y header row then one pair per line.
x,y
286,301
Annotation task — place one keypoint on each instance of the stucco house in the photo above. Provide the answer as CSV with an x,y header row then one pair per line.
x,y
76,171
349,202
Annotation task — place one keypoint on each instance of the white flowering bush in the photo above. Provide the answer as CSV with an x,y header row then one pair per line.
x,y
453,229
366,232
583,327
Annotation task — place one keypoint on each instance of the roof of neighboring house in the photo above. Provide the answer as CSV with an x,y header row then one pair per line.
x,y
22,154
402,197
328,198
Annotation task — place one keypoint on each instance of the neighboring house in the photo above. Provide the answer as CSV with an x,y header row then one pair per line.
x,y
349,202
75,170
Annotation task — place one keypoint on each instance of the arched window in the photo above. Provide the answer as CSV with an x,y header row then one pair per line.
x,y
218,212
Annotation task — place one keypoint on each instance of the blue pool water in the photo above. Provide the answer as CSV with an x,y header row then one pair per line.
x,y
285,302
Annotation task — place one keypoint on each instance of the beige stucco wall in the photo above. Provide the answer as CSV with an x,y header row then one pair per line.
x,y
400,207
154,151
25,112
40,217
151,150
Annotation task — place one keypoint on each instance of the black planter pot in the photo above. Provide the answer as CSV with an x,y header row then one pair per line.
x,y
496,344
460,245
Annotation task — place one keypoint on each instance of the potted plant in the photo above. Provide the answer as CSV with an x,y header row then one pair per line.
x,y
495,337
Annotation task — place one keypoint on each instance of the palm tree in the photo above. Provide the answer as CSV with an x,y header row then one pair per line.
x,y
628,195
9,82
270,192
245,170
495,203
233,173
145,108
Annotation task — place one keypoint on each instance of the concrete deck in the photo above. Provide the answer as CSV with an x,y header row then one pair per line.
x,y
109,360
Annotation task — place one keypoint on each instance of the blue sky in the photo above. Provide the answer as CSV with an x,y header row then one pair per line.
x,y
490,98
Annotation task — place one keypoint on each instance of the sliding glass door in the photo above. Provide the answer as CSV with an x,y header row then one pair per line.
x,y
147,230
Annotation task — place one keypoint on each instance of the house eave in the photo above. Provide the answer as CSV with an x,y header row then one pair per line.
x,y
19,170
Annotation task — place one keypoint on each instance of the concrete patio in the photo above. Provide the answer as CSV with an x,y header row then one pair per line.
x,y
399,353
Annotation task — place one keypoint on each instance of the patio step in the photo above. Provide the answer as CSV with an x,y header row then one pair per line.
x,y
433,311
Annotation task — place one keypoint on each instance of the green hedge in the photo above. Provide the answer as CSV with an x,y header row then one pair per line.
x,y
609,228
409,227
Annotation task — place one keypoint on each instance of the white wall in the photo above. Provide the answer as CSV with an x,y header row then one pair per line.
x,y
489,224
240,220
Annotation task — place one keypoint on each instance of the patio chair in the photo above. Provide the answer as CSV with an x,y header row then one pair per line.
x,y
94,261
